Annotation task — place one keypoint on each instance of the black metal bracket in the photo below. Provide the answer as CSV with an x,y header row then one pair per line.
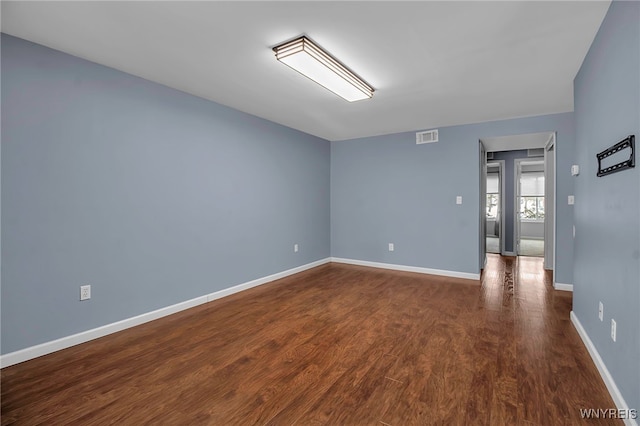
x,y
628,142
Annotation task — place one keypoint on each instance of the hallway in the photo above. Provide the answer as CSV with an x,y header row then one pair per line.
x,y
550,369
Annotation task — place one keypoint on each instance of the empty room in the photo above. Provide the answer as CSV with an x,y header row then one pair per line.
x,y
340,213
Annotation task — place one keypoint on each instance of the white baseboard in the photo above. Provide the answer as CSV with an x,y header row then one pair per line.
x,y
453,274
602,369
250,284
65,342
85,336
563,287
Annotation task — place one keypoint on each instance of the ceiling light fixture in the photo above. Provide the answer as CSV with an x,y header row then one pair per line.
x,y
310,60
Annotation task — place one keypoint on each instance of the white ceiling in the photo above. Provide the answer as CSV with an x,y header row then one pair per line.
x,y
432,64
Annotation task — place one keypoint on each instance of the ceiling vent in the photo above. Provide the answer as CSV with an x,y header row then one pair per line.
x,y
535,152
428,136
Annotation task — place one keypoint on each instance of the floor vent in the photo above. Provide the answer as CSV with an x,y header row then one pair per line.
x,y
428,136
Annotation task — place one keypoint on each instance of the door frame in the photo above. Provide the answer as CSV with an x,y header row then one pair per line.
x,y
550,155
482,154
510,143
517,171
501,169
517,224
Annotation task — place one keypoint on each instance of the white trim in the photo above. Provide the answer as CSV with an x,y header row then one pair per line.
x,y
501,172
482,207
65,342
516,208
517,221
420,270
75,339
563,287
602,369
509,253
503,206
250,284
551,146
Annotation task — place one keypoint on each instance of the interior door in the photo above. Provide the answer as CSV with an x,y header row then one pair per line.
x,y
496,169
549,201
483,205
516,210
503,192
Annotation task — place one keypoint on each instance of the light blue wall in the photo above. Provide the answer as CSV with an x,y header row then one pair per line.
x,y
509,189
150,195
607,210
154,196
388,189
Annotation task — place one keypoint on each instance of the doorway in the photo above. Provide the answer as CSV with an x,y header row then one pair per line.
x,y
494,229
532,147
530,207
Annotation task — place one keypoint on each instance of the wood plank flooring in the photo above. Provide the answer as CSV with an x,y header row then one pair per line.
x,y
336,345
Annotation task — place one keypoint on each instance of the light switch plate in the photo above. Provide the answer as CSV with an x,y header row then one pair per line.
x,y
600,311
571,199
575,170
614,330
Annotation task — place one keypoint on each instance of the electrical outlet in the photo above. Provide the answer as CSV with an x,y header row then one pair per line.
x,y
459,199
295,248
391,247
85,292
571,200
613,329
600,311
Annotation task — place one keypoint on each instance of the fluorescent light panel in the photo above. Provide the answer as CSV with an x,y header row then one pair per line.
x,y
314,63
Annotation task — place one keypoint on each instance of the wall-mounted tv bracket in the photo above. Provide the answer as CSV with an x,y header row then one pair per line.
x,y
628,142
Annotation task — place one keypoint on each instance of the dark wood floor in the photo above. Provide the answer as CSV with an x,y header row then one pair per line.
x,y
338,345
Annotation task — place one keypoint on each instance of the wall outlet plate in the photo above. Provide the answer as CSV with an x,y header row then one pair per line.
x,y
295,248
85,292
391,247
